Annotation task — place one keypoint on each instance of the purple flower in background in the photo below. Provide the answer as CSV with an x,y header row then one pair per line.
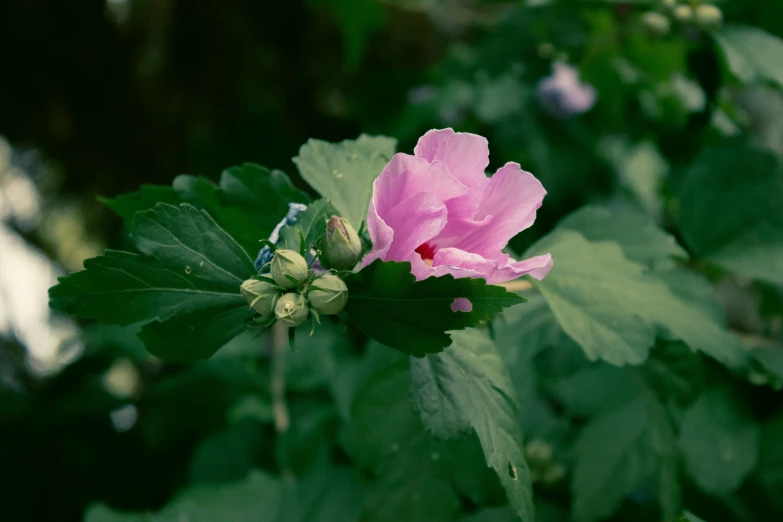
x,y
563,95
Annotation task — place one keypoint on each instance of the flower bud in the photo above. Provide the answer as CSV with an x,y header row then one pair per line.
x,y
683,13
669,4
260,295
538,453
656,23
291,309
291,264
708,16
341,246
328,294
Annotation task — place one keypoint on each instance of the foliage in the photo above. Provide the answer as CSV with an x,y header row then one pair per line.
x,y
640,380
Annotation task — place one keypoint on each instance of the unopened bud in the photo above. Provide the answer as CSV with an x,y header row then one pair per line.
x,y
538,453
656,23
328,294
340,245
669,4
708,16
291,309
260,295
289,269
683,13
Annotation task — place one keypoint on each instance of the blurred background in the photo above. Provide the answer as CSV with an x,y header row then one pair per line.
x,y
101,96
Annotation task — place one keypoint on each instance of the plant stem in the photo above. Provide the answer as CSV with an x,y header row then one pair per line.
x,y
277,380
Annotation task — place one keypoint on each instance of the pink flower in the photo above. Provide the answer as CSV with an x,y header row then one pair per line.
x,y
438,210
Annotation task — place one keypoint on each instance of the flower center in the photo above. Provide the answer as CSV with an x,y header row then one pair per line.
x,y
427,253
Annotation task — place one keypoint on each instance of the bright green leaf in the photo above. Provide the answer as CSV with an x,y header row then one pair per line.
x,y
387,303
344,172
467,387
612,307
719,441
641,239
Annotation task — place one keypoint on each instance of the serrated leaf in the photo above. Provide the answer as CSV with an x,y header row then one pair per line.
x,y
612,307
752,54
344,172
640,238
719,441
189,284
387,304
467,387
248,203
746,237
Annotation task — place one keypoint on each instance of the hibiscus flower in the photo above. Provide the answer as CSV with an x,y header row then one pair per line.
x,y
438,210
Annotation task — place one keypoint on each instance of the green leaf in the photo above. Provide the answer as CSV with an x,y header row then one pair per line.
x,y
189,284
344,172
255,498
640,238
735,221
310,224
752,54
612,307
467,387
387,304
719,442
385,437
248,203
613,457
493,514
690,517
126,205
227,455
324,494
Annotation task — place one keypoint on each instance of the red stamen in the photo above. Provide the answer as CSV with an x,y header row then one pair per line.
x,y
427,253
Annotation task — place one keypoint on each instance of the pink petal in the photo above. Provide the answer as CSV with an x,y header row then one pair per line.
x,y
509,206
466,155
407,175
462,264
414,221
461,304
537,267
381,235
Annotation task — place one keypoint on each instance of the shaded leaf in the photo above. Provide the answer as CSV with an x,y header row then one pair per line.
x,y
752,54
465,388
387,304
719,441
735,221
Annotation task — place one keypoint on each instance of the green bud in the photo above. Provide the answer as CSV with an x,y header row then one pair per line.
x,y
669,4
261,295
341,246
656,23
288,263
291,309
329,296
708,16
683,13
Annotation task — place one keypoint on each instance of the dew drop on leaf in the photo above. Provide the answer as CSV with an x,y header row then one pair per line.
x,y
187,269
